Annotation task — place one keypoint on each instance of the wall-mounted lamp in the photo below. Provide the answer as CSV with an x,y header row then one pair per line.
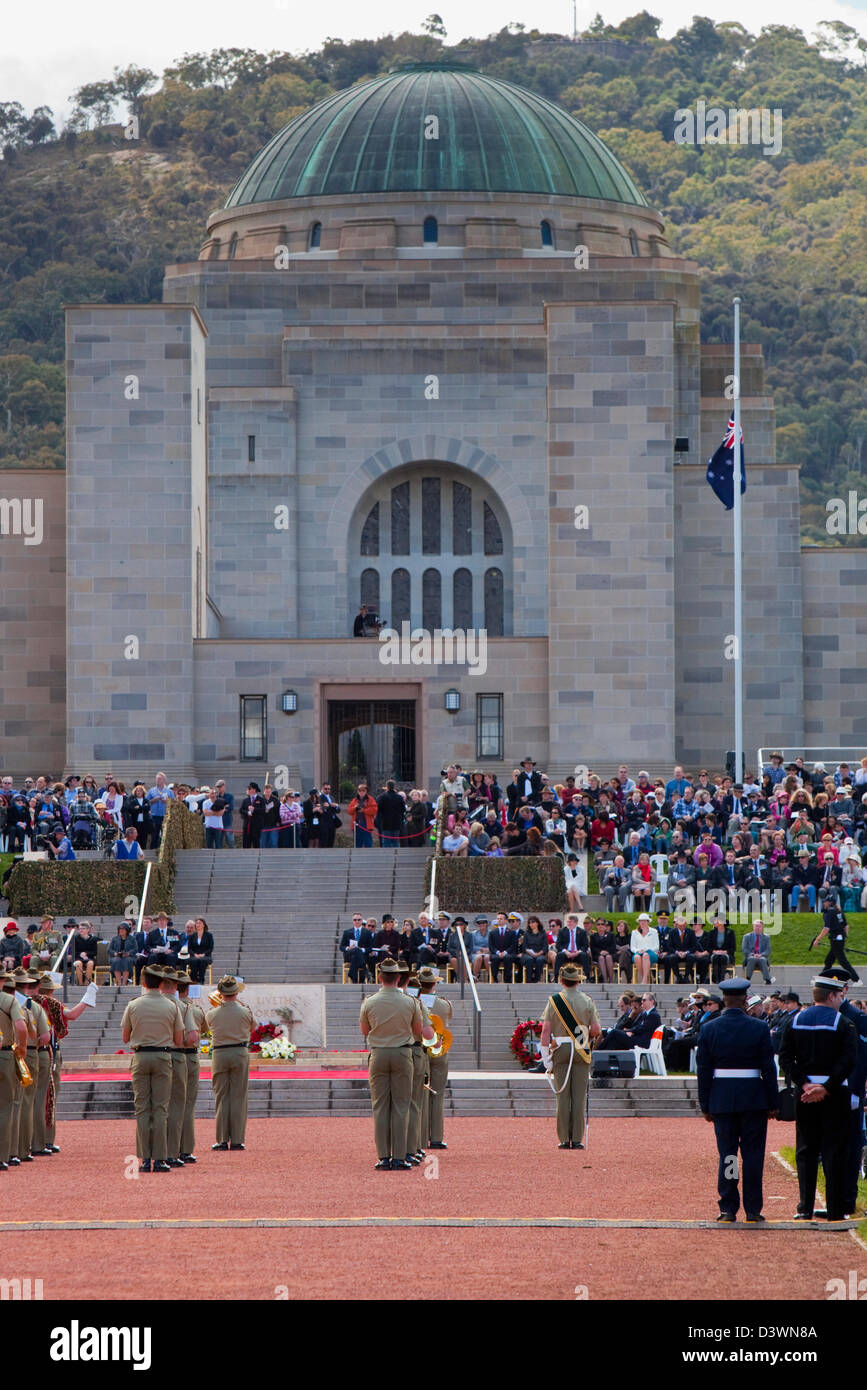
x,y
453,701
289,702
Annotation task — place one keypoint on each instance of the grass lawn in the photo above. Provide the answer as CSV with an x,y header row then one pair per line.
x,y
789,1155
792,945
5,861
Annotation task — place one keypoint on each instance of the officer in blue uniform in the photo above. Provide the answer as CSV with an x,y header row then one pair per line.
x,y
819,1052
857,1084
737,1091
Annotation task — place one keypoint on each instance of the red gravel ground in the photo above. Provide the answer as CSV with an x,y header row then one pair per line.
x,y
323,1168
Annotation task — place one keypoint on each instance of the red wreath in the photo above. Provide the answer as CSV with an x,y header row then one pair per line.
x,y
518,1043
261,1034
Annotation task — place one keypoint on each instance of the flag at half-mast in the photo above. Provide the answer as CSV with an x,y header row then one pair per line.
x,y
721,468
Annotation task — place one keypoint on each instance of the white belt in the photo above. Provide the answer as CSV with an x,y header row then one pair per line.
x,y
561,1042
736,1073
818,1080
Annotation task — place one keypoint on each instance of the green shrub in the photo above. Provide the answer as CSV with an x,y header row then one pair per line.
x,y
516,884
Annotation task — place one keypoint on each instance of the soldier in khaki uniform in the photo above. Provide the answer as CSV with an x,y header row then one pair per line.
x,y
13,1036
152,1025
42,1068
231,1024
178,1097
438,1067
391,1023
59,1017
38,1036
414,1151
195,1020
571,1069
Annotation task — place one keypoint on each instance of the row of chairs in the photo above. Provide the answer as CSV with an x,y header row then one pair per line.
x,y
548,975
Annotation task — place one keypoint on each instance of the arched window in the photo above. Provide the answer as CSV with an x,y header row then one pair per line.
x,y
233,246
431,232
370,533
547,233
431,600
314,241
633,244
430,533
370,589
494,603
400,606
462,606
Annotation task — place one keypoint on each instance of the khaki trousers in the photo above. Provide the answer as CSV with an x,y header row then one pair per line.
x,y
151,1090
230,1074
28,1100
38,1141
419,1072
177,1102
432,1125
188,1132
17,1106
57,1068
390,1070
571,1101
8,1094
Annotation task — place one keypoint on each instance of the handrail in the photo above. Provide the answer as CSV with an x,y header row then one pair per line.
x,y
827,751
465,972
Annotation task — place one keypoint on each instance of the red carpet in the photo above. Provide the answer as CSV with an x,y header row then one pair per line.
x,y
256,1074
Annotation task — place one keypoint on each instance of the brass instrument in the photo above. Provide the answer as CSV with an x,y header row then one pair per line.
x,y
438,1046
25,1076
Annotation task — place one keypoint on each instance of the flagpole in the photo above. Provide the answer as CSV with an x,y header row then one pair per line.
x,y
738,552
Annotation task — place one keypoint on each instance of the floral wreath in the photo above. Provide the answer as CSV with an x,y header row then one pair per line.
x,y
272,1040
531,1028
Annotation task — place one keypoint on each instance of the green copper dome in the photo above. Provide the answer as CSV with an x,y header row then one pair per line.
x,y
493,137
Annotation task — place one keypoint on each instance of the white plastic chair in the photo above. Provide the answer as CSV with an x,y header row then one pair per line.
x,y
652,1056
660,866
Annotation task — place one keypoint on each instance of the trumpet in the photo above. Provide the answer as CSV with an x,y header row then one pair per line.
x,y
438,1046
25,1076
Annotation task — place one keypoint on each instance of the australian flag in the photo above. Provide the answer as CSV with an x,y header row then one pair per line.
x,y
721,469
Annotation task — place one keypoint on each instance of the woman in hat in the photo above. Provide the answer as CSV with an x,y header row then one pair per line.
x,y
603,948
644,944
121,955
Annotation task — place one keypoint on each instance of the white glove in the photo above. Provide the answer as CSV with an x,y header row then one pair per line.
x,y
547,1055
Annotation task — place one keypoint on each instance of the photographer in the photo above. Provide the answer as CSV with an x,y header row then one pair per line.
x,y
58,845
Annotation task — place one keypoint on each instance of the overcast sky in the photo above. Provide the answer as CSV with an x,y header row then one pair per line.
x,y
50,49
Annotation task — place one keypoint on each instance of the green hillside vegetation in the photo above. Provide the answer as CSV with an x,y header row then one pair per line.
x,y
86,214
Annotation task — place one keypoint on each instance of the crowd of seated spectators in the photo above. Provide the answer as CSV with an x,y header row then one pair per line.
x,y
129,949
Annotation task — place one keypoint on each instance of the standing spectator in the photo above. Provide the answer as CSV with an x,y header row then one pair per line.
x,y
390,811
836,928
416,818
453,789
121,955
136,811
159,797
330,817
212,808
270,824
252,816
362,813
575,883
291,817
114,804
228,812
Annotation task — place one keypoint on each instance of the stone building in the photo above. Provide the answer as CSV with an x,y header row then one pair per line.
x,y
434,322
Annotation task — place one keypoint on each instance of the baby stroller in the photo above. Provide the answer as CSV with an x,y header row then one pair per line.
x,y
107,832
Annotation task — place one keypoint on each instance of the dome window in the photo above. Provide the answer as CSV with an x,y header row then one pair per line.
x,y
547,233
233,246
314,241
431,232
633,244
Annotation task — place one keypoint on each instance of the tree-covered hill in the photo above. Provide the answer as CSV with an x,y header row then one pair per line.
x,y
88,214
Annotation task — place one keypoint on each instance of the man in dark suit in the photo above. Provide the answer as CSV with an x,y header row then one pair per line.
x,y
141,946
504,948
830,881
719,941
755,872
163,942
737,1092
428,940
572,947
525,787
679,957
355,946
252,811
642,1030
